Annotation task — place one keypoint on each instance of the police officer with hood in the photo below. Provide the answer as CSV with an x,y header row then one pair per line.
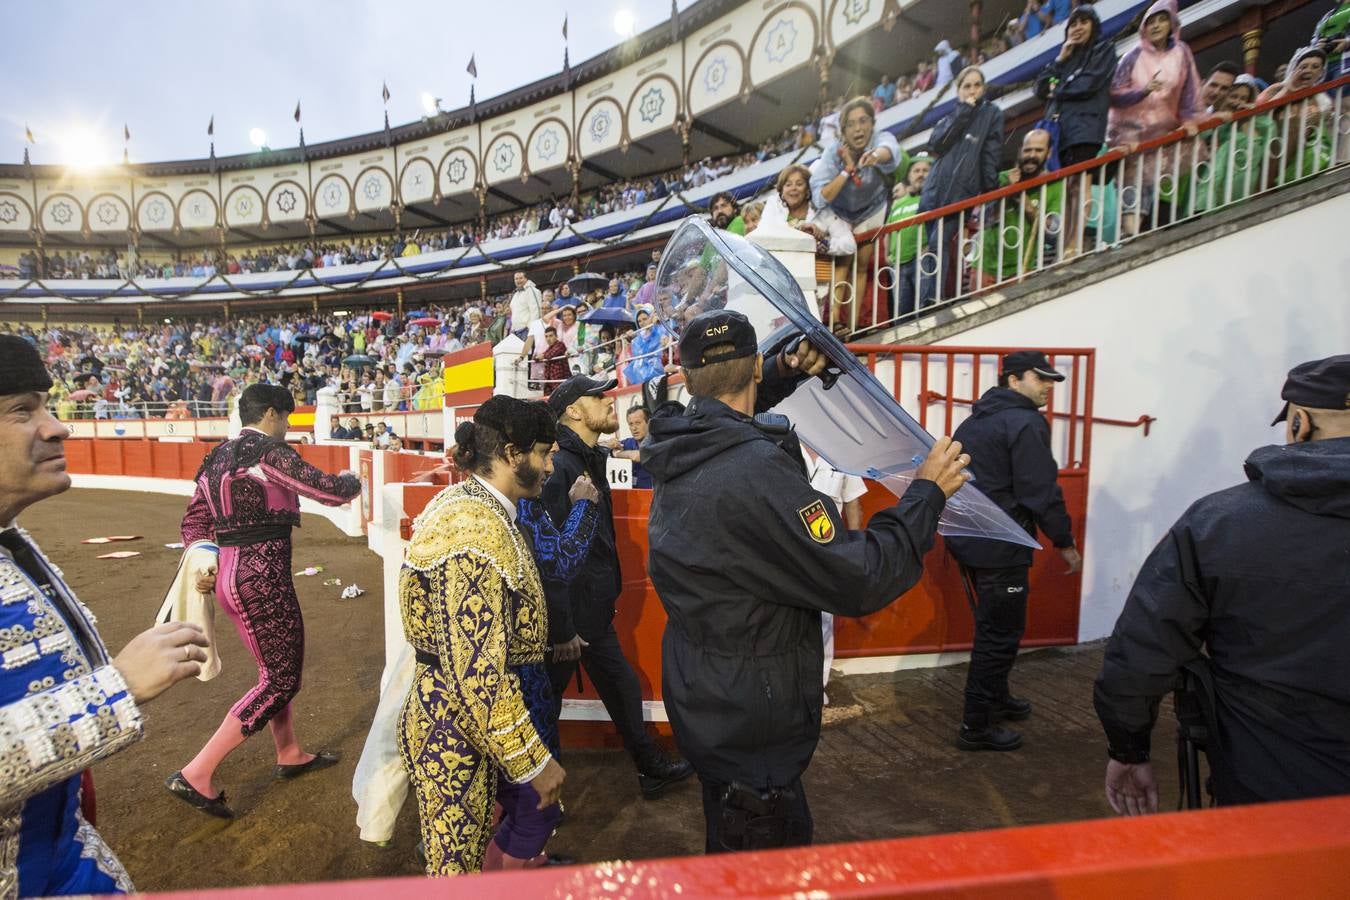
x,y
745,555
1251,584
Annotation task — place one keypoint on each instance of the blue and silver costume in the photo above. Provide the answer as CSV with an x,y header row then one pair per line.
x,y
63,706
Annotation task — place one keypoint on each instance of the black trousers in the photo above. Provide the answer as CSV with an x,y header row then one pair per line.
x,y
1000,620
796,825
616,683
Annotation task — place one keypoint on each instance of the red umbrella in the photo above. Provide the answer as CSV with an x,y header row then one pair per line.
x,y
381,315
426,321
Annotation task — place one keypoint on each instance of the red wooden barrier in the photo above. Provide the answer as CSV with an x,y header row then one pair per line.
x,y
1297,849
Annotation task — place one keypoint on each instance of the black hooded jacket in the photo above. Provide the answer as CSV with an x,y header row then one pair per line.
x,y
1008,440
1258,576
1078,89
745,555
585,606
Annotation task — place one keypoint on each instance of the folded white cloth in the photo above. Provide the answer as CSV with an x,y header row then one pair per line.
x,y
184,603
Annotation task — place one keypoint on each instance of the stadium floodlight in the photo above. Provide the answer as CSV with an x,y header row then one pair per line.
x,y
257,137
625,23
431,104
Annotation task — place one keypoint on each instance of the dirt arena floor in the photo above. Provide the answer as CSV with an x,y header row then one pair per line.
x,y
886,766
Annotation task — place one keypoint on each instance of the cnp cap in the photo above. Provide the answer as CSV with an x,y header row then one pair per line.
x,y
709,329
1030,361
574,388
1320,384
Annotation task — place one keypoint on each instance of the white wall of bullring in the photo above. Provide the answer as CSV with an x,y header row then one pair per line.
x,y
1202,340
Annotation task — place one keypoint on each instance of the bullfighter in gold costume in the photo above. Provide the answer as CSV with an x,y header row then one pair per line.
x,y
477,725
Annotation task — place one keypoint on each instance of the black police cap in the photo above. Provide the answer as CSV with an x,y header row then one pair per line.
x,y
711,329
1030,361
1319,384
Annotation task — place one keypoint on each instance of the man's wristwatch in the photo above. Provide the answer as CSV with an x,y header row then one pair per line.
x,y
1129,757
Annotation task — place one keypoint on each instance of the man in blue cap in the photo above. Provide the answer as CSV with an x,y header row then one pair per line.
x,y
1249,586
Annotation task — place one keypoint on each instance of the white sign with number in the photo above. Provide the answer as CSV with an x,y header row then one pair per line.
x,y
620,474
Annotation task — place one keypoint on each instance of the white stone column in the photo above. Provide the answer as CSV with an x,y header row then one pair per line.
x,y
796,250
325,407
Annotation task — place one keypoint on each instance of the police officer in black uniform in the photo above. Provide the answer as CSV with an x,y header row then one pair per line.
x,y
1251,585
581,615
745,555
1008,439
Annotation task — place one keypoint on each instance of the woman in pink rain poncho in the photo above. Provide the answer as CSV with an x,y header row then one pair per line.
x,y
1156,90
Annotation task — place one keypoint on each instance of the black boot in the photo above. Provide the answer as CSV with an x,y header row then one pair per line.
x,y
657,772
1010,709
991,737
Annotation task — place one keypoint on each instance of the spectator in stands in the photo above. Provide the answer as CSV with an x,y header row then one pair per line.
x,y
1076,87
615,299
790,204
526,305
751,216
1217,83
852,179
1026,26
1053,12
1309,130
568,328
335,429
903,245
604,357
1155,91
648,347
646,295
1332,37
1018,236
968,143
628,448
725,212
947,63
884,93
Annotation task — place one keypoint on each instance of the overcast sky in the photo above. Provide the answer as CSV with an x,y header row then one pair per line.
x,y
76,70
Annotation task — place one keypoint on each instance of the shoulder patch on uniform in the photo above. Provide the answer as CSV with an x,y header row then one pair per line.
x,y
817,522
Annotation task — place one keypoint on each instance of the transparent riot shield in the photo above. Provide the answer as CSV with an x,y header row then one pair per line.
x,y
856,425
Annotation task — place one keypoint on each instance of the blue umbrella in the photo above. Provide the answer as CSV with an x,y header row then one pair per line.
x,y
610,315
586,282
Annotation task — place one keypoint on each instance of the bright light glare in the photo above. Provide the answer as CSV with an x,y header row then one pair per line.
x,y
257,137
82,148
429,103
625,23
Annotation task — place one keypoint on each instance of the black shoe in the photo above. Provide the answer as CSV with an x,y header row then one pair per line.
x,y
991,738
1010,709
212,806
322,760
660,773
560,859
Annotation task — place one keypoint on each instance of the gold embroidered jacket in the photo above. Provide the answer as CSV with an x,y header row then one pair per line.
x,y
63,705
470,595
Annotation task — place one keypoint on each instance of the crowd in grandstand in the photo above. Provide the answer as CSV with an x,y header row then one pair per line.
x,y
861,179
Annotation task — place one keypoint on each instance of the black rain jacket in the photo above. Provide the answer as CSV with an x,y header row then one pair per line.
x,y
1008,440
585,606
1258,577
1081,98
745,555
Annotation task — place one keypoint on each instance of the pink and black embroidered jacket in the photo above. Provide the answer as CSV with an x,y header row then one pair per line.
x,y
249,489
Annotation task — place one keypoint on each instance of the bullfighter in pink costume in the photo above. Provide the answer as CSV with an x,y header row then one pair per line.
x,y
246,503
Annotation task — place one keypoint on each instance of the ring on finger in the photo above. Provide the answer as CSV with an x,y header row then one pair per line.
x,y
187,653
